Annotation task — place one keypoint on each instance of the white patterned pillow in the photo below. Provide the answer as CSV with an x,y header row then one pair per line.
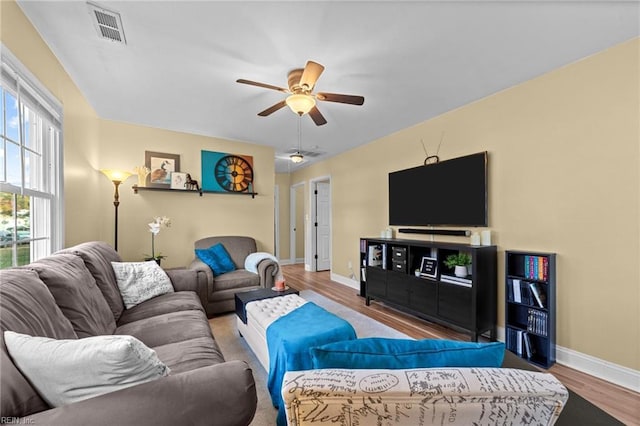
x,y
140,281
66,371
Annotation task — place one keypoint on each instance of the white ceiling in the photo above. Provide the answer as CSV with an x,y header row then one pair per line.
x,y
410,60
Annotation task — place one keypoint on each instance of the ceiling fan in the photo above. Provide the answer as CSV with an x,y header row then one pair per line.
x,y
301,98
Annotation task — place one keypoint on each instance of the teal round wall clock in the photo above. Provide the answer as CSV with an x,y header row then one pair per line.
x,y
227,172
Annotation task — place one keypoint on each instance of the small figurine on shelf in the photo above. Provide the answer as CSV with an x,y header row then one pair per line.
x,y
143,172
192,184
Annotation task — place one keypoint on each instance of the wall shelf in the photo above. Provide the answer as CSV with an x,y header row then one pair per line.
x,y
137,188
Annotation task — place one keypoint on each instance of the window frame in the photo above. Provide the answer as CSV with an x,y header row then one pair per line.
x,y
29,92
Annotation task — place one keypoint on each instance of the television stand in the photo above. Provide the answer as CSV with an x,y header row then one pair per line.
x,y
466,304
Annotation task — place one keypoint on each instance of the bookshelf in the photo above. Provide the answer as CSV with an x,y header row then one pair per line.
x,y
410,275
530,306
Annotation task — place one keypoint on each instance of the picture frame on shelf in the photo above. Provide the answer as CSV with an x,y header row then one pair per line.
x,y
179,181
161,166
429,267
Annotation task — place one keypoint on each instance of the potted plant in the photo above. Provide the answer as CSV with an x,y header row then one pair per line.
x,y
459,262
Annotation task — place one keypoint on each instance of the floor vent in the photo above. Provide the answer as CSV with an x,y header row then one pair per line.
x,y
107,23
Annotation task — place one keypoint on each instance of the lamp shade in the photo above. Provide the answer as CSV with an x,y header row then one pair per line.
x,y
297,157
115,175
300,104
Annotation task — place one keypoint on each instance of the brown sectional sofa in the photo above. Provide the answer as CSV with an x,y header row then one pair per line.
x,y
73,294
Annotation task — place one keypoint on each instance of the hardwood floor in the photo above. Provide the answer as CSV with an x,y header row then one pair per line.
x,y
619,402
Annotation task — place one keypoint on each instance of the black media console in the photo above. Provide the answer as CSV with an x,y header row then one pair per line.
x,y
396,272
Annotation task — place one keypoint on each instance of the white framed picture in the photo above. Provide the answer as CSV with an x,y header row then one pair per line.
x,y
178,180
429,267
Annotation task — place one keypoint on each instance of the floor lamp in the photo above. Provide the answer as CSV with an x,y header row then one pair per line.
x,y
117,177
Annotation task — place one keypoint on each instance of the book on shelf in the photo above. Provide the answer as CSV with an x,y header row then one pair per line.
x,y
536,268
537,322
538,294
517,294
527,345
451,279
375,255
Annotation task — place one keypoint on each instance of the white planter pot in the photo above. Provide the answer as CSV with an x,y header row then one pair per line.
x,y
460,271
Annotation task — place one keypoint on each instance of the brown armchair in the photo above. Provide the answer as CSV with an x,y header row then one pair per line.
x,y
221,289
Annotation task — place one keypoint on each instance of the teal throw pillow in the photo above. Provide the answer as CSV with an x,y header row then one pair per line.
x,y
217,258
383,353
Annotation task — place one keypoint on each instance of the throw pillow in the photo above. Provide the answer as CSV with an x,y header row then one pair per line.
x,y
400,353
140,281
217,258
66,371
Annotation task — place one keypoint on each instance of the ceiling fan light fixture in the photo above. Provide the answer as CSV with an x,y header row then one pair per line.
x,y
296,158
300,104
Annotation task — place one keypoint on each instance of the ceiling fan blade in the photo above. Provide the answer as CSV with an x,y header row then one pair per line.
x,y
317,116
266,86
343,99
311,74
272,109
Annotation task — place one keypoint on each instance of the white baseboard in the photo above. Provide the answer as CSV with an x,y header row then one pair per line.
x,y
605,370
345,281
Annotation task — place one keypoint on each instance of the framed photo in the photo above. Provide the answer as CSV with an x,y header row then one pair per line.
x,y
178,180
161,165
224,172
429,267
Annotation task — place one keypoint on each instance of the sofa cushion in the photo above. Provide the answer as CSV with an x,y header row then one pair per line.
x,y
97,257
217,258
189,354
177,301
140,281
168,328
76,293
67,371
387,353
240,278
26,306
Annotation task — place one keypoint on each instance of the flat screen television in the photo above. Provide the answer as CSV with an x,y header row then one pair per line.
x,y
448,193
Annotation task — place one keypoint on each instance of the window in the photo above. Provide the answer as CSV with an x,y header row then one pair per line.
x,y
30,166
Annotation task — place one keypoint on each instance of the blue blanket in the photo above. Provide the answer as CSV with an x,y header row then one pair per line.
x,y
289,339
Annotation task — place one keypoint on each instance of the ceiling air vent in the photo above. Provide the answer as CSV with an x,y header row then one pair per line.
x,y
107,23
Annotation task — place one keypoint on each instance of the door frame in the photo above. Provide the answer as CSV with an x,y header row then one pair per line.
x,y
311,263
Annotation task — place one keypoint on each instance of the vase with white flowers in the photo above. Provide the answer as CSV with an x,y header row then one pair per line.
x,y
158,223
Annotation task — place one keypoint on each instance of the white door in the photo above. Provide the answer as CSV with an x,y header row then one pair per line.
x,y
323,226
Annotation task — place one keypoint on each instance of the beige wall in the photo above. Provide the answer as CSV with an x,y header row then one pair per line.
x,y
91,143
192,217
83,211
283,182
564,177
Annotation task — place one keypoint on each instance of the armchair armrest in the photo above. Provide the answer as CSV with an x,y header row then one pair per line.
x,y
268,269
457,396
191,398
189,280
